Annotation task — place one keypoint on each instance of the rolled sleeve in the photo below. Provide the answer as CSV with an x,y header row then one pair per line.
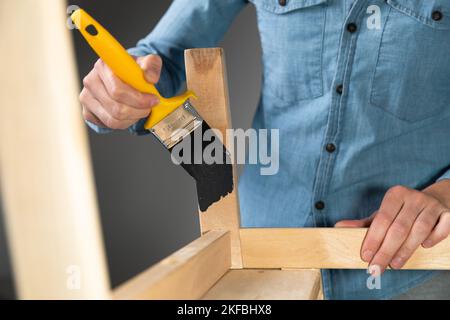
x,y
136,129
98,129
445,176
187,24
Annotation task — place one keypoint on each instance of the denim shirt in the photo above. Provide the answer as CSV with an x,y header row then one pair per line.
x,y
372,78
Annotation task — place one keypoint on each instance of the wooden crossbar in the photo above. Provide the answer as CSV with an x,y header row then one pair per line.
x,y
327,248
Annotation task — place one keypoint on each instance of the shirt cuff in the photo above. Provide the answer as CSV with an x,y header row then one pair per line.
x,y
136,129
98,129
445,176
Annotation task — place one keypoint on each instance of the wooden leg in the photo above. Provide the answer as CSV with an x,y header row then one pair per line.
x,y
206,76
46,178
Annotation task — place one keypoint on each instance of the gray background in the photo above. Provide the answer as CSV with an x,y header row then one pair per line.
x,y
148,206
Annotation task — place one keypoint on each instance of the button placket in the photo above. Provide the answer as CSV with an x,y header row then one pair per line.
x,y
326,162
320,205
330,147
352,27
328,157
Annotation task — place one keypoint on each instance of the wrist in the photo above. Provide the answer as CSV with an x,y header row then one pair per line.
x,y
441,191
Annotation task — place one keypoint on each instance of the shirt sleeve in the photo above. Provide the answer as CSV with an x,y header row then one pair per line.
x,y
187,24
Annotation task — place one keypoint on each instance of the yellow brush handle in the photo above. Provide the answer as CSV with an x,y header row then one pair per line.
x,y
124,66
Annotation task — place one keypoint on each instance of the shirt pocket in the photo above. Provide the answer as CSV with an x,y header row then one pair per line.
x,y
292,43
412,76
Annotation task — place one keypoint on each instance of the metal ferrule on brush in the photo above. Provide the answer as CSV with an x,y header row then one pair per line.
x,y
178,124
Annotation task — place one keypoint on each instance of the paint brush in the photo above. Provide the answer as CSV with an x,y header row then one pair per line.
x,y
174,121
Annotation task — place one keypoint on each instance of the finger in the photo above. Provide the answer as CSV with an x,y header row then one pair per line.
x,y
152,65
399,230
362,223
87,100
121,92
421,229
95,107
390,207
119,111
108,120
440,232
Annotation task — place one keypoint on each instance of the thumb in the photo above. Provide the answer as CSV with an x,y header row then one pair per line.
x,y
362,223
152,65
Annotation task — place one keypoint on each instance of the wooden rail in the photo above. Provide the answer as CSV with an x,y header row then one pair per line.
x,y
327,248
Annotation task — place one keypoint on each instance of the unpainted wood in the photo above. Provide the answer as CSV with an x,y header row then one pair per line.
x,y
207,77
317,293
187,274
254,284
324,248
46,177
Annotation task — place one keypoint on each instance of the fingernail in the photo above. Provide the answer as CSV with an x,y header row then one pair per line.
x,y
367,255
375,270
427,243
397,262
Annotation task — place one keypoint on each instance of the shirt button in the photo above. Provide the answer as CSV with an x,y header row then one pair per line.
x,y
330,147
282,2
340,89
436,15
352,27
320,205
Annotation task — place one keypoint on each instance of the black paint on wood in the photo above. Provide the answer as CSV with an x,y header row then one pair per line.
x,y
214,181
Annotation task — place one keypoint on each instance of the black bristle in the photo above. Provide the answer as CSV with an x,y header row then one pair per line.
x,y
214,181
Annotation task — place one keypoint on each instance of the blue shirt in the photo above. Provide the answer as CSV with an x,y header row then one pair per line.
x,y
370,77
